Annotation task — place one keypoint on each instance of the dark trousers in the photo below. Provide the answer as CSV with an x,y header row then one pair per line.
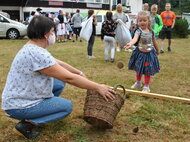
x,y
90,45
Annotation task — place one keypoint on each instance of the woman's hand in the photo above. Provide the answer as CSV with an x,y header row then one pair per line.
x,y
106,91
127,46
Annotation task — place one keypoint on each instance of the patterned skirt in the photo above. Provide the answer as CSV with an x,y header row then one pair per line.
x,y
61,30
144,63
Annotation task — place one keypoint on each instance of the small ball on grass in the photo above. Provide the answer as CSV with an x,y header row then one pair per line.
x,y
120,65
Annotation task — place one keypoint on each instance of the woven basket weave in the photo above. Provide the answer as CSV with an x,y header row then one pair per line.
x,y
100,113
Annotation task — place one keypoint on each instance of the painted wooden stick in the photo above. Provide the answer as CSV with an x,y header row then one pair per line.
x,y
158,96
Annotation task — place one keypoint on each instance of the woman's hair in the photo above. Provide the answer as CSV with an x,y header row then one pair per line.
x,y
154,7
144,13
90,12
119,6
39,26
109,15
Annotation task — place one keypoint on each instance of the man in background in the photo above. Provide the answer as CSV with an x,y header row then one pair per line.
x,y
168,18
77,21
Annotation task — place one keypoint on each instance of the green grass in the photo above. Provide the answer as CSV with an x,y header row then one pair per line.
x,y
158,120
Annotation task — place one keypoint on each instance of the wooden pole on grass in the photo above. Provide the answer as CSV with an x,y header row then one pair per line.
x,y
158,96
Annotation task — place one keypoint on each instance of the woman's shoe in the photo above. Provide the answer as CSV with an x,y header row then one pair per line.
x,y
25,129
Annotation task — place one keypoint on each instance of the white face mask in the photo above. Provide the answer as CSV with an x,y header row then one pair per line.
x,y
51,39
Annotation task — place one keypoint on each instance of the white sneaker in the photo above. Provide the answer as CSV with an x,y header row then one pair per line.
x,y
91,57
136,85
146,89
118,49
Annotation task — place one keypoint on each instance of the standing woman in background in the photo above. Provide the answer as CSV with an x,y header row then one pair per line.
x,y
61,27
119,15
92,38
108,34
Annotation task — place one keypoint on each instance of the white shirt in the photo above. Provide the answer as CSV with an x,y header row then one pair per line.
x,y
37,13
30,18
25,86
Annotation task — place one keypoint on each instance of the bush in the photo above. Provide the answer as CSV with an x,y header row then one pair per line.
x,y
181,28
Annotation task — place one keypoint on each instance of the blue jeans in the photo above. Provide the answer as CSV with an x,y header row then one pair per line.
x,y
58,87
49,110
90,45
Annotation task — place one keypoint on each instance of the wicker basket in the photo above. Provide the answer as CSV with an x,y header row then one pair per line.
x,y
100,113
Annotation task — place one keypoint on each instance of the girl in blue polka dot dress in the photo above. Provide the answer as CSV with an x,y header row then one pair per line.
x,y
144,58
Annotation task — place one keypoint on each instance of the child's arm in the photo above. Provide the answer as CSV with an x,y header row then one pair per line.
x,y
132,42
155,44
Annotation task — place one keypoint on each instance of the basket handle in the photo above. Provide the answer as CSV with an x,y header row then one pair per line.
x,y
119,85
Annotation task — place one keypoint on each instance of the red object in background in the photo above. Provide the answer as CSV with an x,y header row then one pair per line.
x,y
59,3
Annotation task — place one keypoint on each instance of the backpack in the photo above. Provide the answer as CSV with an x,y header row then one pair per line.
x,y
157,20
133,34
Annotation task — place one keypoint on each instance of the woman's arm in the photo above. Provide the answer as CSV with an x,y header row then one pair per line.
x,y
57,71
95,20
69,67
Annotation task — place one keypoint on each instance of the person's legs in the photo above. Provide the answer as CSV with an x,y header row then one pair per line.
x,y
75,34
138,77
169,36
118,49
49,110
162,37
146,80
59,38
162,46
106,46
90,45
112,49
63,38
79,29
146,88
58,87
138,82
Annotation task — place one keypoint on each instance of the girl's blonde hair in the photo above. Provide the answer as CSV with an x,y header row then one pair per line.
x,y
145,13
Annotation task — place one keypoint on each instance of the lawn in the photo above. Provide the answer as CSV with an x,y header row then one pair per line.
x,y
158,120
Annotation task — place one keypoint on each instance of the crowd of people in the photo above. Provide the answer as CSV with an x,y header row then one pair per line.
x,y
36,78
65,27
